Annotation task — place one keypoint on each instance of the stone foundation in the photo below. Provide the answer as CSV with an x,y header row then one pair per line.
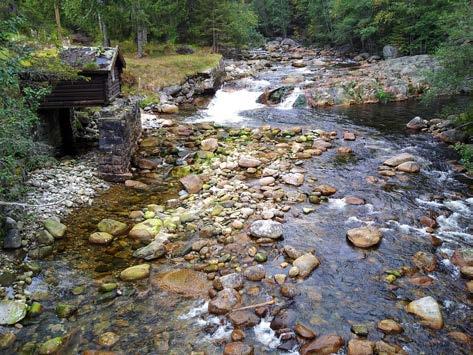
x,y
120,129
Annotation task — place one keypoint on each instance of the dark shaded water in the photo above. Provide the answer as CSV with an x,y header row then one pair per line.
x,y
348,287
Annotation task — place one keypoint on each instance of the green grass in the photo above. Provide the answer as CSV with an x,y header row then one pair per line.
x,y
145,75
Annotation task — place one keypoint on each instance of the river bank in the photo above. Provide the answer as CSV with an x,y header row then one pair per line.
x,y
311,214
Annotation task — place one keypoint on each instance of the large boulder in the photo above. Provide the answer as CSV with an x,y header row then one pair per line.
x,y
266,229
275,96
364,237
12,312
428,310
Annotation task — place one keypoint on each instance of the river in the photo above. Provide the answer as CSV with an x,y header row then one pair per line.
x,y
348,288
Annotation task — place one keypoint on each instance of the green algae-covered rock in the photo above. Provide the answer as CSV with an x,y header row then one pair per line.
x,y
55,228
136,272
64,310
112,227
50,346
147,230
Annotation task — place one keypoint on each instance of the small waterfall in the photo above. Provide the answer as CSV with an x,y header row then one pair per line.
x,y
290,100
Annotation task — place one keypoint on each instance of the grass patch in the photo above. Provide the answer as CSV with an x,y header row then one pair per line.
x,y
145,75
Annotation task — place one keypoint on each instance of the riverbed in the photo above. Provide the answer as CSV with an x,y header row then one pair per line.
x,y
349,288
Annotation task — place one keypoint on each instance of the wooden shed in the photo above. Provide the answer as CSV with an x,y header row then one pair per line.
x,y
102,69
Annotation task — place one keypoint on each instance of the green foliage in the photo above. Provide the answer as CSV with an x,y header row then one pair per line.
x,y
149,100
466,155
384,96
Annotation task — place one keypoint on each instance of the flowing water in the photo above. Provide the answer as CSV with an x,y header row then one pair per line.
x,y
347,288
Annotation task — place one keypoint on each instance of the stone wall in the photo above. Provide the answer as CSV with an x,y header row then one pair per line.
x,y
120,129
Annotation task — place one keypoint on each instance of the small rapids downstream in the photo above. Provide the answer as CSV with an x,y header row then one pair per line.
x,y
348,288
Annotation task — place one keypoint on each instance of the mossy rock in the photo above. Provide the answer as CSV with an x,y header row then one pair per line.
x,y
112,227
55,228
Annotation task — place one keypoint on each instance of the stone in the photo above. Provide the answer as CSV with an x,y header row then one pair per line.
x,y
64,310
326,190
100,238
409,167
238,348
237,335
168,108
294,179
428,310
359,329
463,257
224,302
261,257
467,271
344,150
192,183
12,239
209,144
108,339
255,273
299,64
7,340
248,162
304,332
136,272
383,348
233,280
146,230
306,264
147,164
364,237
265,181
289,290
349,136
389,326
280,278
284,319
428,222
12,312
112,227
51,346
266,229
243,319
45,238
425,261
292,252
187,282
137,185
460,337
55,228
399,159
360,347
324,345
153,250
353,200
390,52
293,271
416,124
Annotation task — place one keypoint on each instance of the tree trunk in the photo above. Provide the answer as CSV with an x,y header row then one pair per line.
x,y
141,40
104,30
57,15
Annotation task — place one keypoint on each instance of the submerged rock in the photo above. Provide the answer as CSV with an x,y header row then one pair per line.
x,y
255,273
136,272
51,346
238,348
186,282
390,326
360,347
100,238
324,345
112,227
12,312
306,264
428,310
364,237
243,319
266,229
